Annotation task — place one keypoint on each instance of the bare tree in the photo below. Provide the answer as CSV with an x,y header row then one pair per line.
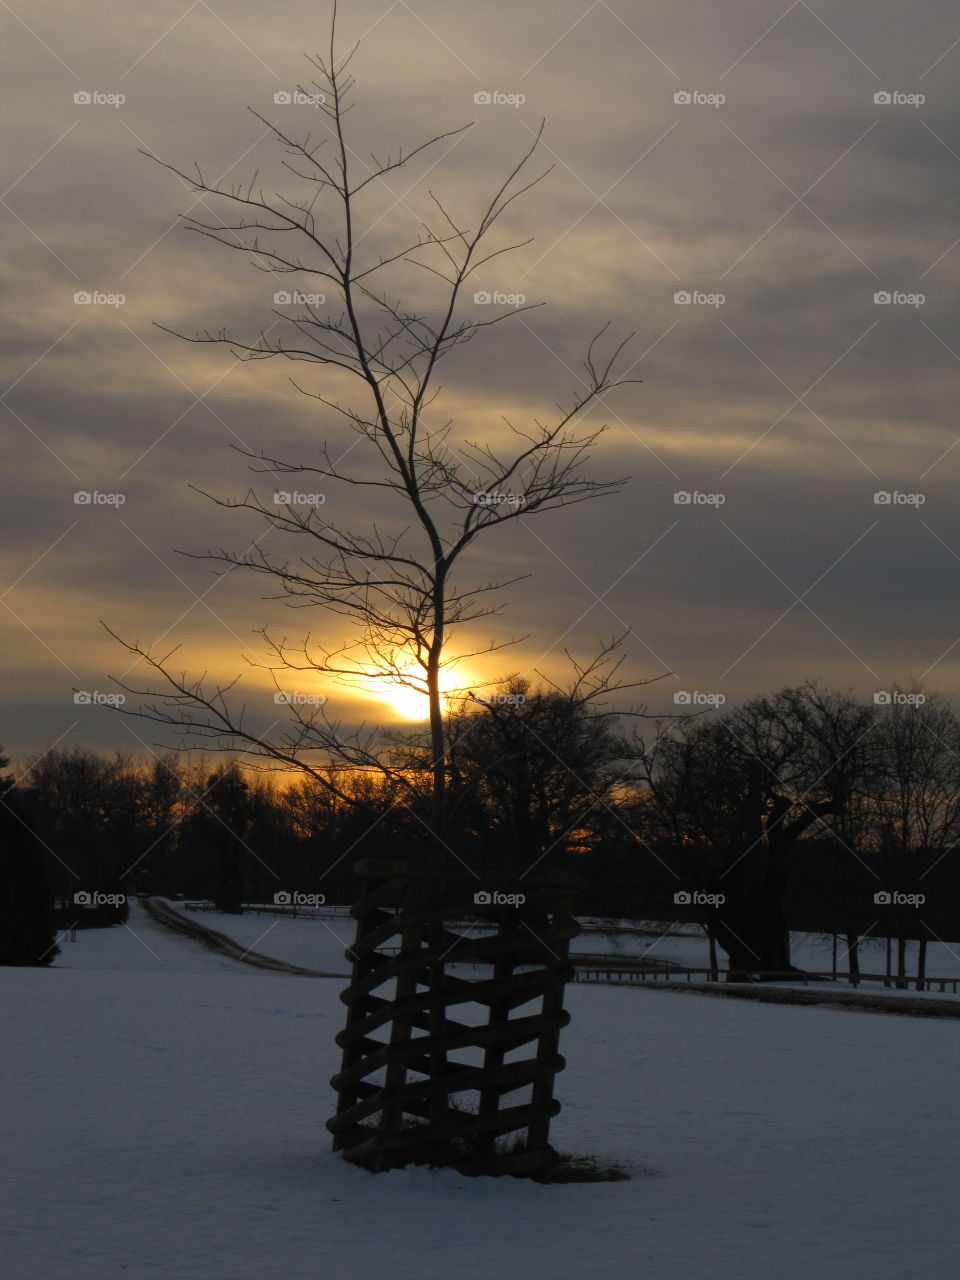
x,y
741,791
917,805
440,493
537,772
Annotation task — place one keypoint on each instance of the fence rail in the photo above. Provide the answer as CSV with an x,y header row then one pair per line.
x,y
587,969
274,909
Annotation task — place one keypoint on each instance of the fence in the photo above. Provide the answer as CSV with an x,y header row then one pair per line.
x,y
619,968
399,1096
598,969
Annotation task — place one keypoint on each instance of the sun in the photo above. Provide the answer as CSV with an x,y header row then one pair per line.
x,y
407,703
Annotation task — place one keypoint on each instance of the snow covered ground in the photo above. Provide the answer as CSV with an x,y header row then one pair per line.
x,y
164,1108
320,944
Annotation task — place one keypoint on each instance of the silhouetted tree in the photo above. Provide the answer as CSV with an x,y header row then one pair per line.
x,y
27,934
742,789
917,807
394,577
221,823
536,773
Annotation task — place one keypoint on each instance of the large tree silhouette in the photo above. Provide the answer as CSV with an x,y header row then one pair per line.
x,y
397,576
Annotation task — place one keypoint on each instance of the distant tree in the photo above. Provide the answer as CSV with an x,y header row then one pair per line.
x,y
916,807
220,823
163,796
741,790
536,772
840,758
89,812
27,934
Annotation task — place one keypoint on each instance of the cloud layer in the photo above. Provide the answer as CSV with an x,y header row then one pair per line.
x,y
765,195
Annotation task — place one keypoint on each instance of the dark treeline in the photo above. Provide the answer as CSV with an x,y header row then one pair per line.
x,y
808,809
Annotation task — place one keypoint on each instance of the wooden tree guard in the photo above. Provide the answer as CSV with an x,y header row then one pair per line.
x,y
397,1094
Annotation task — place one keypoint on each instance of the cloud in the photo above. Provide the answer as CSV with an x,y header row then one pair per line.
x,y
798,396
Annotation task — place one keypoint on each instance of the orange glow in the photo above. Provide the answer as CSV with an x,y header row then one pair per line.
x,y
407,702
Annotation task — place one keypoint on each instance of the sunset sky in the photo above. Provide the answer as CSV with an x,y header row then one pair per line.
x,y
781,164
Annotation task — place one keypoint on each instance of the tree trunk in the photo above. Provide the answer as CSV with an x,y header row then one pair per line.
x,y
853,957
438,746
755,938
921,964
230,895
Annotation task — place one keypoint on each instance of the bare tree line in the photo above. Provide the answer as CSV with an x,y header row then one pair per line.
x,y
806,801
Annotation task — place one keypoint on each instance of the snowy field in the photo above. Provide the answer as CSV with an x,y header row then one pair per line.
x,y
164,1113
320,944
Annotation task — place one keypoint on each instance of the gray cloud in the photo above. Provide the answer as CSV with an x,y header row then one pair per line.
x,y
648,197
